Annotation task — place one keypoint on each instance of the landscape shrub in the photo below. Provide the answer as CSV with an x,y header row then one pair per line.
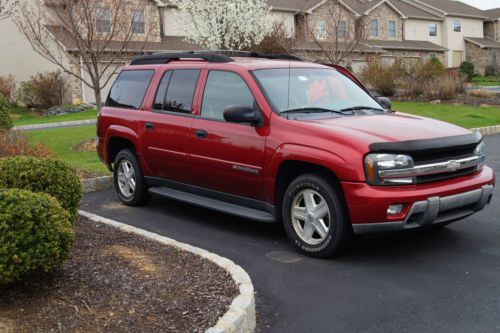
x,y
36,234
467,69
50,176
480,78
443,87
49,89
16,143
5,120
490,70
383,78
7,86
25,94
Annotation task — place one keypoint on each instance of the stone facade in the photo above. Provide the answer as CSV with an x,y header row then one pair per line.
x,y
490,30
383,14
482,57
331,15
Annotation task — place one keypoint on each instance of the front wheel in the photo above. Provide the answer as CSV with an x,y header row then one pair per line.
x,y
129,181
314,216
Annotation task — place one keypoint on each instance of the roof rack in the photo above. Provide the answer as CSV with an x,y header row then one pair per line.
x,y
219,56
164,58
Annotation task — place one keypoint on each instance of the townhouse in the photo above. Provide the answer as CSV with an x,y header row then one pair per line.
x,y
408,30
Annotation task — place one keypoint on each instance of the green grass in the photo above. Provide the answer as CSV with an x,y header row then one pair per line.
x,y
23,116
461,115
486,84
62,140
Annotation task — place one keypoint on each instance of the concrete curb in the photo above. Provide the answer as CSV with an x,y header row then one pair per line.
x,y
488,130
97,184
55,125
240,318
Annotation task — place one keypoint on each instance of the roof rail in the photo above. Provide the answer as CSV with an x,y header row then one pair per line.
x,y
164,58
220,56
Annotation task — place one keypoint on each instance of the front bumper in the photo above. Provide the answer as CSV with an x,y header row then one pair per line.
x,y
424,204
434,210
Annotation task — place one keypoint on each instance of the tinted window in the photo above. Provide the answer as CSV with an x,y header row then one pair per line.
x,y
129,89
180,90
222,90
162,90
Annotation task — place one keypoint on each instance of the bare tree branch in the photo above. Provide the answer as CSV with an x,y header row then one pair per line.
x,y
84,36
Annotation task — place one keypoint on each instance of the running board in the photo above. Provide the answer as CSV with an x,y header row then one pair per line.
x,y
214,204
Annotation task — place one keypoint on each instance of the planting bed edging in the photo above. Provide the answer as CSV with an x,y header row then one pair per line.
x,y
240,318
97,184
488,130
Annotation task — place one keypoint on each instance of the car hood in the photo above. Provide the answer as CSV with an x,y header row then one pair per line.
x,y
390,127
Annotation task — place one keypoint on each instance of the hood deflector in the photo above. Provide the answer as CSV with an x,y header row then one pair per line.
x,y
428,145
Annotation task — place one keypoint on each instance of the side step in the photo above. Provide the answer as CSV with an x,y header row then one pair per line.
x,y
214,204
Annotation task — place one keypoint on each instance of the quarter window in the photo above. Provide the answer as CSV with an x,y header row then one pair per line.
x,y
138,22
129,89
433,30
180,86
224,89
103,20
457,26
392,29
374,28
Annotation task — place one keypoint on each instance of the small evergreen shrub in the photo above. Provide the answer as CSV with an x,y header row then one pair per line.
x,y
36,234
467,69
53,177
5,120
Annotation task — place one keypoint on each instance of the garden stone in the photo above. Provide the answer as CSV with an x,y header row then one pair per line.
x,y
436,101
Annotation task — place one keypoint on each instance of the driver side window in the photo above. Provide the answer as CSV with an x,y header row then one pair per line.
x,y
224,89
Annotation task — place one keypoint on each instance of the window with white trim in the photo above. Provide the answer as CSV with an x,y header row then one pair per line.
x,y
457,26
392,29
138,22
342,31
103,20
320,29
374,28
433,29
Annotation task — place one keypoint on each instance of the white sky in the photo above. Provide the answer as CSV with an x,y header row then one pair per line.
x,y
483,4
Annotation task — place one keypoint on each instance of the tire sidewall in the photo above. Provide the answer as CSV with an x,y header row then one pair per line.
x,y
335,233
138,194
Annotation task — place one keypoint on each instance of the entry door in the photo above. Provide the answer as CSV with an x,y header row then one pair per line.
x,y
166,129
457,58
227,157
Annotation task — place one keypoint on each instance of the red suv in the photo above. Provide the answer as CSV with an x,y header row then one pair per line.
x,y
273,138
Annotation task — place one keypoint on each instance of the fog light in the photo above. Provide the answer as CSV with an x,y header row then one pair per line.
x,y
395,209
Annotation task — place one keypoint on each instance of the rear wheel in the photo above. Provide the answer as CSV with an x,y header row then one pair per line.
x,y
129,181
314,216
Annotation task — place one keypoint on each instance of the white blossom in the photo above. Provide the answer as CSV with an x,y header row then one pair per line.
x,y
224,24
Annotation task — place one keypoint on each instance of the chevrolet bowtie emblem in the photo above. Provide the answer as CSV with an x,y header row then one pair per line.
x,y
453,166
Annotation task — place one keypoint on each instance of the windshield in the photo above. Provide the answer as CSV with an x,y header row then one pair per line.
x,y
308,88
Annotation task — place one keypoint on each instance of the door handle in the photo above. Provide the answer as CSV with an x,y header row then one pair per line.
x,y
149,126
201,134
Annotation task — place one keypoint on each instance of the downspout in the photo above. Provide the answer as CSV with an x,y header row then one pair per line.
x,y
84,98
161,13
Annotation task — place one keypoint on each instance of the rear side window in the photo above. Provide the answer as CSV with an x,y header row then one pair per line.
x,y
224,89
176,91
129,89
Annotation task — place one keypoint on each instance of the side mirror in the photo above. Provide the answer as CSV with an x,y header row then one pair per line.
x,y
243,114
385,102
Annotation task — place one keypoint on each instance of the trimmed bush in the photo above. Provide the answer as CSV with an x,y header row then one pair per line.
x,y
467,69
5,120
36,234
43,175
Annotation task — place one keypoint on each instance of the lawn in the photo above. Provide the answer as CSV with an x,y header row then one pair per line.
x,y
462,115
487,84
62,140
23,116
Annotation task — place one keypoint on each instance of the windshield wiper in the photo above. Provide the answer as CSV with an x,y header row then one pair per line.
x,y
355,108
311,110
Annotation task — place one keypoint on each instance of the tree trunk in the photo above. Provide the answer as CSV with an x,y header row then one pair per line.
x,y
98,99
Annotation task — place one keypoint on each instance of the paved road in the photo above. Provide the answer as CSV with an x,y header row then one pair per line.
x,y
442,281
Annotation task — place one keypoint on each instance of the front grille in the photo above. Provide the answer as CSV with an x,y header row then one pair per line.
x,y
442,156
445,176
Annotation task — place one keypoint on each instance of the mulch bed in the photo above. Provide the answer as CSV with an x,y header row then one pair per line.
x,y
118,282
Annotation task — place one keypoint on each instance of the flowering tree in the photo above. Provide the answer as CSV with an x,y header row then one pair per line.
x,y
224,24
6,8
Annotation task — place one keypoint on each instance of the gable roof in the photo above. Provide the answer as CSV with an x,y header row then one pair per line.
x,y
410,45
451,8
411,11
483,43
493,14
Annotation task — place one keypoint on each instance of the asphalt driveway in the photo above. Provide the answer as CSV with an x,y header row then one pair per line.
x,y
438,281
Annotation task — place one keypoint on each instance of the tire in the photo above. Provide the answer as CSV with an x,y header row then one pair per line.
x,y
129,195
315,217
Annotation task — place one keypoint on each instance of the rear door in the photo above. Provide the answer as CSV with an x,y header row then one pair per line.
x,y
166,129
227,157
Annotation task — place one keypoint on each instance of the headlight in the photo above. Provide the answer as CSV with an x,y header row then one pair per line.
x,y
480,149
377,162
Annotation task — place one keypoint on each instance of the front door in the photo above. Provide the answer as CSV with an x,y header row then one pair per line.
x,y
227,157
166,129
